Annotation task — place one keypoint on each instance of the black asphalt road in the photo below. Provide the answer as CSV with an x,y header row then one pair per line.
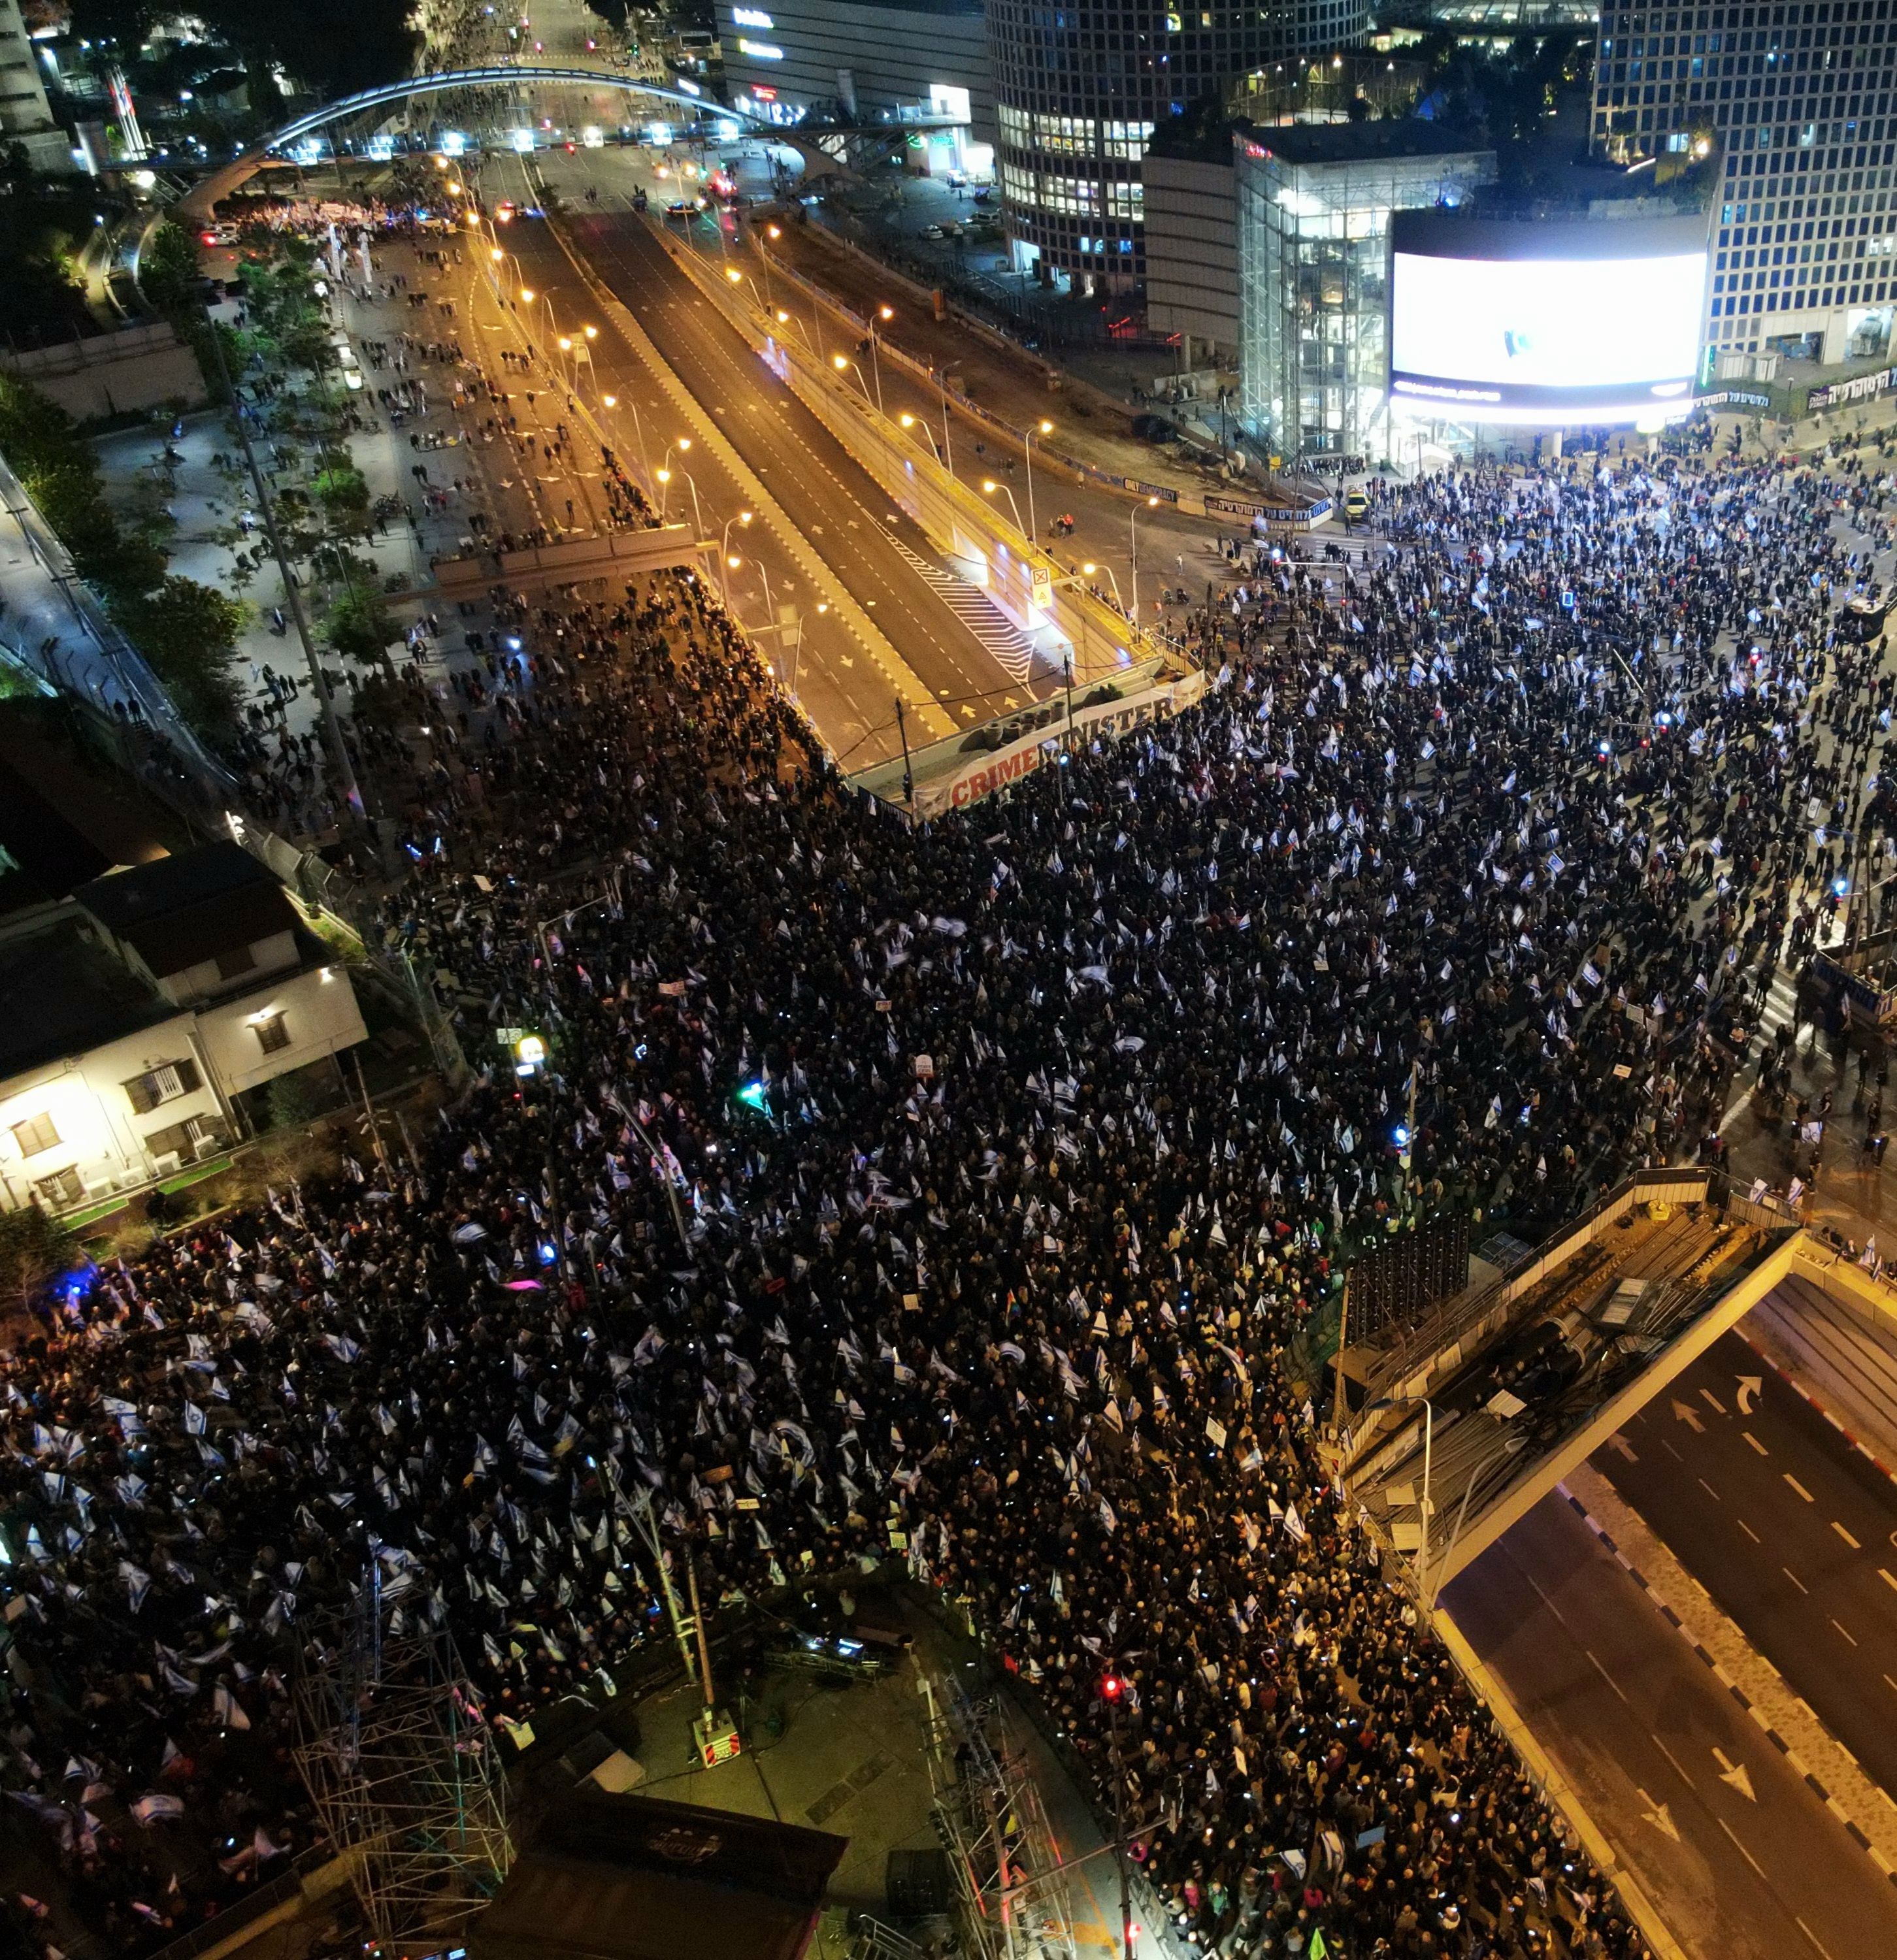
x,y
834,503
1738,1855
1791,1530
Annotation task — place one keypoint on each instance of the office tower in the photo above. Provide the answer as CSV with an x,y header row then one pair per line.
x,y
1080,89
1792,106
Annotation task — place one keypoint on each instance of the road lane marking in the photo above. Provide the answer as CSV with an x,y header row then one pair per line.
x,y
1808,1934
1674,1760
1611,1683
1743,1852
1707,1394
1845,1535
1802,1491
1671,1451
1658,1815
1794,1578
1708,1489
1737,1775
1750,1532
1887,1578
1754,1442
1845,1632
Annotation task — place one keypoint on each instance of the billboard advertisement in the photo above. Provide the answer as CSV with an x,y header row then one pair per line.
x,y
1548,323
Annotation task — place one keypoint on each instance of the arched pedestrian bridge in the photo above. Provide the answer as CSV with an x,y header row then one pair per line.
x,y
199,202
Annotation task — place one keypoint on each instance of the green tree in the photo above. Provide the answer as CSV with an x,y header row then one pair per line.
x,y
189,633
35,1249
170,273
343,491
358,624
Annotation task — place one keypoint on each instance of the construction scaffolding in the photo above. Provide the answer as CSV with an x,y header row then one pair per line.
x,y
1012,1884
402,1768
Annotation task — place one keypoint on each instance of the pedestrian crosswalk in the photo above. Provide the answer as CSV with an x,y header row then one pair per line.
x,y
1781,1010
1010,648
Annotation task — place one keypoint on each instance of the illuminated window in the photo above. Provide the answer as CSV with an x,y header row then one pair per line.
x,y
271,1034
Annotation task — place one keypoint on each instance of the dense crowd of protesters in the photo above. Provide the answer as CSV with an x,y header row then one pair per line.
x,y
953,1194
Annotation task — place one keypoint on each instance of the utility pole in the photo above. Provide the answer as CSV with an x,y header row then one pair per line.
x,y
1339,1410
908,775
1112,1688
332,726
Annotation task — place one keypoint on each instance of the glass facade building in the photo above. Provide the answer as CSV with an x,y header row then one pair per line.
x,y
1796,102
1314,204
1080,89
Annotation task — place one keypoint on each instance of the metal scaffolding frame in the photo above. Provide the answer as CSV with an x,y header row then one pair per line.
x,y
403,1770
1011,1881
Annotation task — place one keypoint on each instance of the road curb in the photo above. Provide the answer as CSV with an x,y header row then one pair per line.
x,y
1557,1790
1853,1829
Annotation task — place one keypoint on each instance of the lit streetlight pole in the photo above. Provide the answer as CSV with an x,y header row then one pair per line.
x,y
639,429
989,484
909,422
883,312
843,363
1027,453
1132,533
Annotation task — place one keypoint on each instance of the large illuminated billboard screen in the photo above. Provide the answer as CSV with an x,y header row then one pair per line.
x,y
1571,322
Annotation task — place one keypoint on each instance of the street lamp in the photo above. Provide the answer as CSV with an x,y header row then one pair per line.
x,y
910,421
843,363
1132,533
1112,1689
742,518
989,484
883,312
645,461
1027,453
1090,568
787,319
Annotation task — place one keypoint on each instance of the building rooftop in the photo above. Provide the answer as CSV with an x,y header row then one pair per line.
x,y
1310,143
61,994
189,908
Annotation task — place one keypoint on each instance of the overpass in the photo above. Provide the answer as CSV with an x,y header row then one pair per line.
x,y
806,139
1481,1409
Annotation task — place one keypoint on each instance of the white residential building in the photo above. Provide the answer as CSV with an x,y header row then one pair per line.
x,y
145,1019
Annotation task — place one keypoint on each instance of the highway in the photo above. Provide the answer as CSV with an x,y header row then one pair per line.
x,y
1737,1853
850,542
1792,1531
1169,548
870,544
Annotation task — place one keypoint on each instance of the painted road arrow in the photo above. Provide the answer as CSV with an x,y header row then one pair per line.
x,y
1735,1775
1626,1448
1749,1386
1660,1817
1682,1414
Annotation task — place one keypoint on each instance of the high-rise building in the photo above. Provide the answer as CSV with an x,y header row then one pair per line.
x,y
1795,101
25,117
1080,89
